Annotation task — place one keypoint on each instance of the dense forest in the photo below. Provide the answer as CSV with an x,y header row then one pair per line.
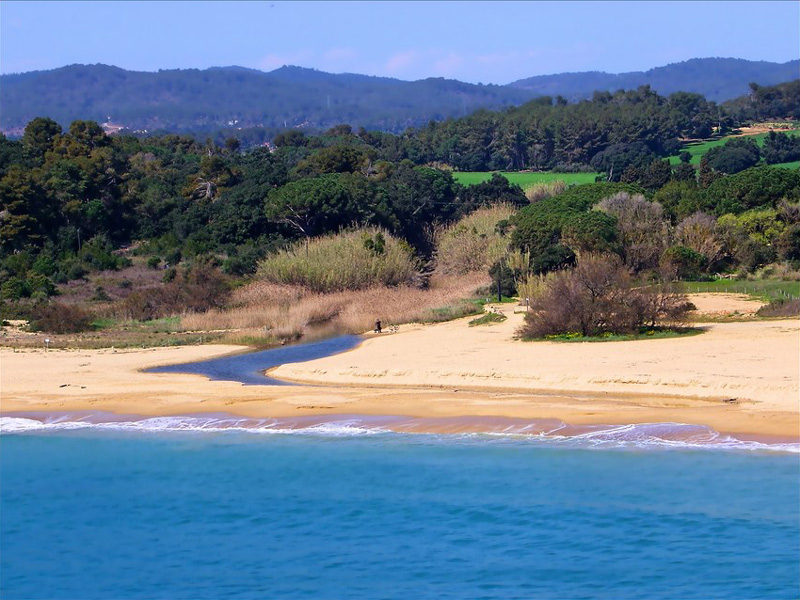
x,y
78,201
254,105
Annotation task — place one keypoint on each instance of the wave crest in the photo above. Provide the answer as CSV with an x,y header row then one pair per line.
x,y
545,431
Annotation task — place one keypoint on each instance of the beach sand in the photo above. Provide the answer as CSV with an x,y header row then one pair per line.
x,y
739,377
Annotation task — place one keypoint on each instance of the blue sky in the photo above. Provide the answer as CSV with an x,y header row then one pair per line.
x,y
479,42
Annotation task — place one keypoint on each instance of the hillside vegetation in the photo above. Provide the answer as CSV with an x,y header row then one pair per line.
x,y
99,230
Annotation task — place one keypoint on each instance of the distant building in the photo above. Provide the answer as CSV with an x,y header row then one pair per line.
x,y
112,128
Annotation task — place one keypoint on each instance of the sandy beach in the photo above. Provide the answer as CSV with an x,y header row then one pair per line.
x,y
737,377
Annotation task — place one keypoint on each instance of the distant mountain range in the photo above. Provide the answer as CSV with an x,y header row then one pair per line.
x,y
717,79
191,100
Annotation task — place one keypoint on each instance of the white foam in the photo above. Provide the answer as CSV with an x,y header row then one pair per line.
x,y
350,427
639,436
21,425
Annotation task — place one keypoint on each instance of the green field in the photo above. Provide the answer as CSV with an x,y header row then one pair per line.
x,y
766,289
523,179
698,149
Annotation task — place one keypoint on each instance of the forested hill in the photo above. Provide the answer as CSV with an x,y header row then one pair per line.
x,y
717,79
237,98
194,100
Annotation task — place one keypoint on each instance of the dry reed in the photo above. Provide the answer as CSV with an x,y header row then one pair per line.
x,y
473,243
274,311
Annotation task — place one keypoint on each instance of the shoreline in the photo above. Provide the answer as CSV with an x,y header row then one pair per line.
x,y
740,378
545,429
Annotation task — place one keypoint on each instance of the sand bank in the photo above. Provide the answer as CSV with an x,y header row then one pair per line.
x,y
736,377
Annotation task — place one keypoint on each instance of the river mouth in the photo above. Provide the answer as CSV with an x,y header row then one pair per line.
x,y
249,368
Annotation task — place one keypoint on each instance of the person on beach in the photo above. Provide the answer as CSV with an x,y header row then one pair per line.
x,y
378,326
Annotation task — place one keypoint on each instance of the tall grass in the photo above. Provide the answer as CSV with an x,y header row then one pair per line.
x,y
350,260
473,243
535,192
265,310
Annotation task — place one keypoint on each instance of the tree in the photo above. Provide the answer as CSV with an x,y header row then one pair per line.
x,y
656,175
705,174
40,137
758,187
736,155
684,172
700,233
617,157
590,232
781,147
680,199
681,262
25,214
642,228
496,190
311,206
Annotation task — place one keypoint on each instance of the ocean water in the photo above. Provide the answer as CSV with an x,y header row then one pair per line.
x,y
211,507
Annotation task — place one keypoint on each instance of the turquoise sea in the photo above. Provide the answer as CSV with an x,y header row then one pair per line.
x,y
102,506
181,509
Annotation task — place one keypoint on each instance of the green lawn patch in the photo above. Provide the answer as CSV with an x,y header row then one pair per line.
x,y
524,178
698,149
763,289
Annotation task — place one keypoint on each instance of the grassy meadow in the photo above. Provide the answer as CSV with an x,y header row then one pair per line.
x,y
764,289
524,179
698,149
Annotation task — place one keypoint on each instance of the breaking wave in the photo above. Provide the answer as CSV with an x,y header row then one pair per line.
x,y
541,432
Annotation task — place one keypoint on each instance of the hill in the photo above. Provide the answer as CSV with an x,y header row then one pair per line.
x,y
192,100
717,79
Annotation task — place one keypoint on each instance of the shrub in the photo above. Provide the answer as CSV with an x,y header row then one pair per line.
x,y
545,189
343,261
61,318
98,252
198,289
153,262
599,297
780,308
789,243
682,262
736,155
643,230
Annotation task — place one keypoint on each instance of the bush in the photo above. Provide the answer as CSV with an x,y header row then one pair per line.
x,y
789,243
99,254
14,288
599,297
342,261
780,308
190,290
545,189
682,262
735,156
61,318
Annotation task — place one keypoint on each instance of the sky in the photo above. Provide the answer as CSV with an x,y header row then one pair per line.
x,y
477,42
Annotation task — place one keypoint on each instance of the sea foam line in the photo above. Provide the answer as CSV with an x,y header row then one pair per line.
x,y
631,436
